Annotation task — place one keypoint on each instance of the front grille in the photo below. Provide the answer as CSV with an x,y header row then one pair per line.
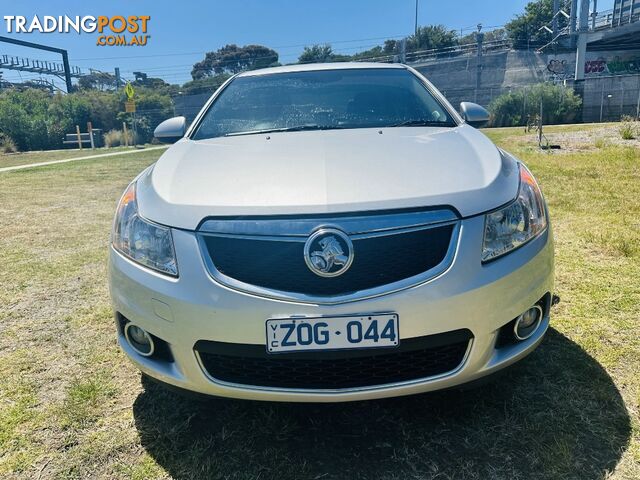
x,y
278,264
416,358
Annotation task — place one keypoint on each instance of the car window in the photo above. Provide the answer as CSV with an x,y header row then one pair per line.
x,y
342,98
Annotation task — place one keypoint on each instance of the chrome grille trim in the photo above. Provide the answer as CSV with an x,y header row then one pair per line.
x,y
351,225
358,227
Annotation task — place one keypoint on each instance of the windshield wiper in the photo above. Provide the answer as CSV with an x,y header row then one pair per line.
x,y
298,128
421,123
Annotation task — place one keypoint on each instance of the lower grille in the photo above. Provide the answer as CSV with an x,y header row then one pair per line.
x,y
415,358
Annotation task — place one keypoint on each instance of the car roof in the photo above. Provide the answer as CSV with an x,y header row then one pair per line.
x,y
310,67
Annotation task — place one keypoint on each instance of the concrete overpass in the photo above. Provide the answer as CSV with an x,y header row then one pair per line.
x,y
588,29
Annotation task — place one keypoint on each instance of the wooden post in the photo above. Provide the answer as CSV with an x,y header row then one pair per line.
x,y
90,129
79,137
124,132
540,122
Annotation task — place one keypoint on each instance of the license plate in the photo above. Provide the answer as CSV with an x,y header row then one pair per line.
x,y
332,333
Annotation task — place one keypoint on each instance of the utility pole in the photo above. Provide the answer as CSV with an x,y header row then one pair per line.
x,y
573,15
555,24
118,78
416,27
479,38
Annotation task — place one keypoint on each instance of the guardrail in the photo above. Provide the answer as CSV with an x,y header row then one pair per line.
x,y
613,18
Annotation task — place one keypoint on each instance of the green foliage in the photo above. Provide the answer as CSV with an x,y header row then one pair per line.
x,y
116,138
431,37
428,37
373,54
152,108
495,35
232,59
537,14
601,143
24,116
95,80
321,54
559,105
36,120
103,108
157,84
629,128
204,85
7,145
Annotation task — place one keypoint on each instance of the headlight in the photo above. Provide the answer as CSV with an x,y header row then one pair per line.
x,y
142,241
510,227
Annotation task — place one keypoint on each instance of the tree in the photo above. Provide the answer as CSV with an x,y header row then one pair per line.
x,y
390,47
559,105
321,54
157,84
232,59
528,26
97,81
204,85
431,37
490,36
152,108
37,120
373,54
316,54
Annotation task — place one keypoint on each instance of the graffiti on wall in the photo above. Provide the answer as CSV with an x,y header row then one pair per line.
x,y
618,65
559,69
595,66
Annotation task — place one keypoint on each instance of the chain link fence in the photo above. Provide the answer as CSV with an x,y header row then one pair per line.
x,y
608,99
604,99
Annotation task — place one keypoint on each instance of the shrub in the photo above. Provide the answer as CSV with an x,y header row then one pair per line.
x,y
559,105
37,120
115,138
7,145
628,130
601,142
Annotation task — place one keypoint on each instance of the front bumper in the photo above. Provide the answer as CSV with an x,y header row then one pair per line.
x,y
469,295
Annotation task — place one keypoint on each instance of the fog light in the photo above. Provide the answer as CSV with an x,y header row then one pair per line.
x,y
527,323
139,339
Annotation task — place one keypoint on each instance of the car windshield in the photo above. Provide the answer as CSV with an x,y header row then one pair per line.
x,y
322,100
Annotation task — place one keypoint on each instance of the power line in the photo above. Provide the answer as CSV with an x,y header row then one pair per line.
x,y
300,45
202,52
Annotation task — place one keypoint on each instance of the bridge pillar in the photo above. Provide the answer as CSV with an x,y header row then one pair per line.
x,y
583,32
573,16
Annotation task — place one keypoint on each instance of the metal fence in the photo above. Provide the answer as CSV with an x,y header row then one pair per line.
x,y
604,99
610,98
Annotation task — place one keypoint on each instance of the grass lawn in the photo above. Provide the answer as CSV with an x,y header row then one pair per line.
x,y
71,406
14,159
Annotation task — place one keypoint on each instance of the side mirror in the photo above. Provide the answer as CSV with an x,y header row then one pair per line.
x,y
171,130
474,114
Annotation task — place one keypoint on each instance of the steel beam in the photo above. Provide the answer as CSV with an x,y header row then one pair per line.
x,y
65,56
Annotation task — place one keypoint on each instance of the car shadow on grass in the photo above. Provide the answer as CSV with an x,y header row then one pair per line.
x,y
557,414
